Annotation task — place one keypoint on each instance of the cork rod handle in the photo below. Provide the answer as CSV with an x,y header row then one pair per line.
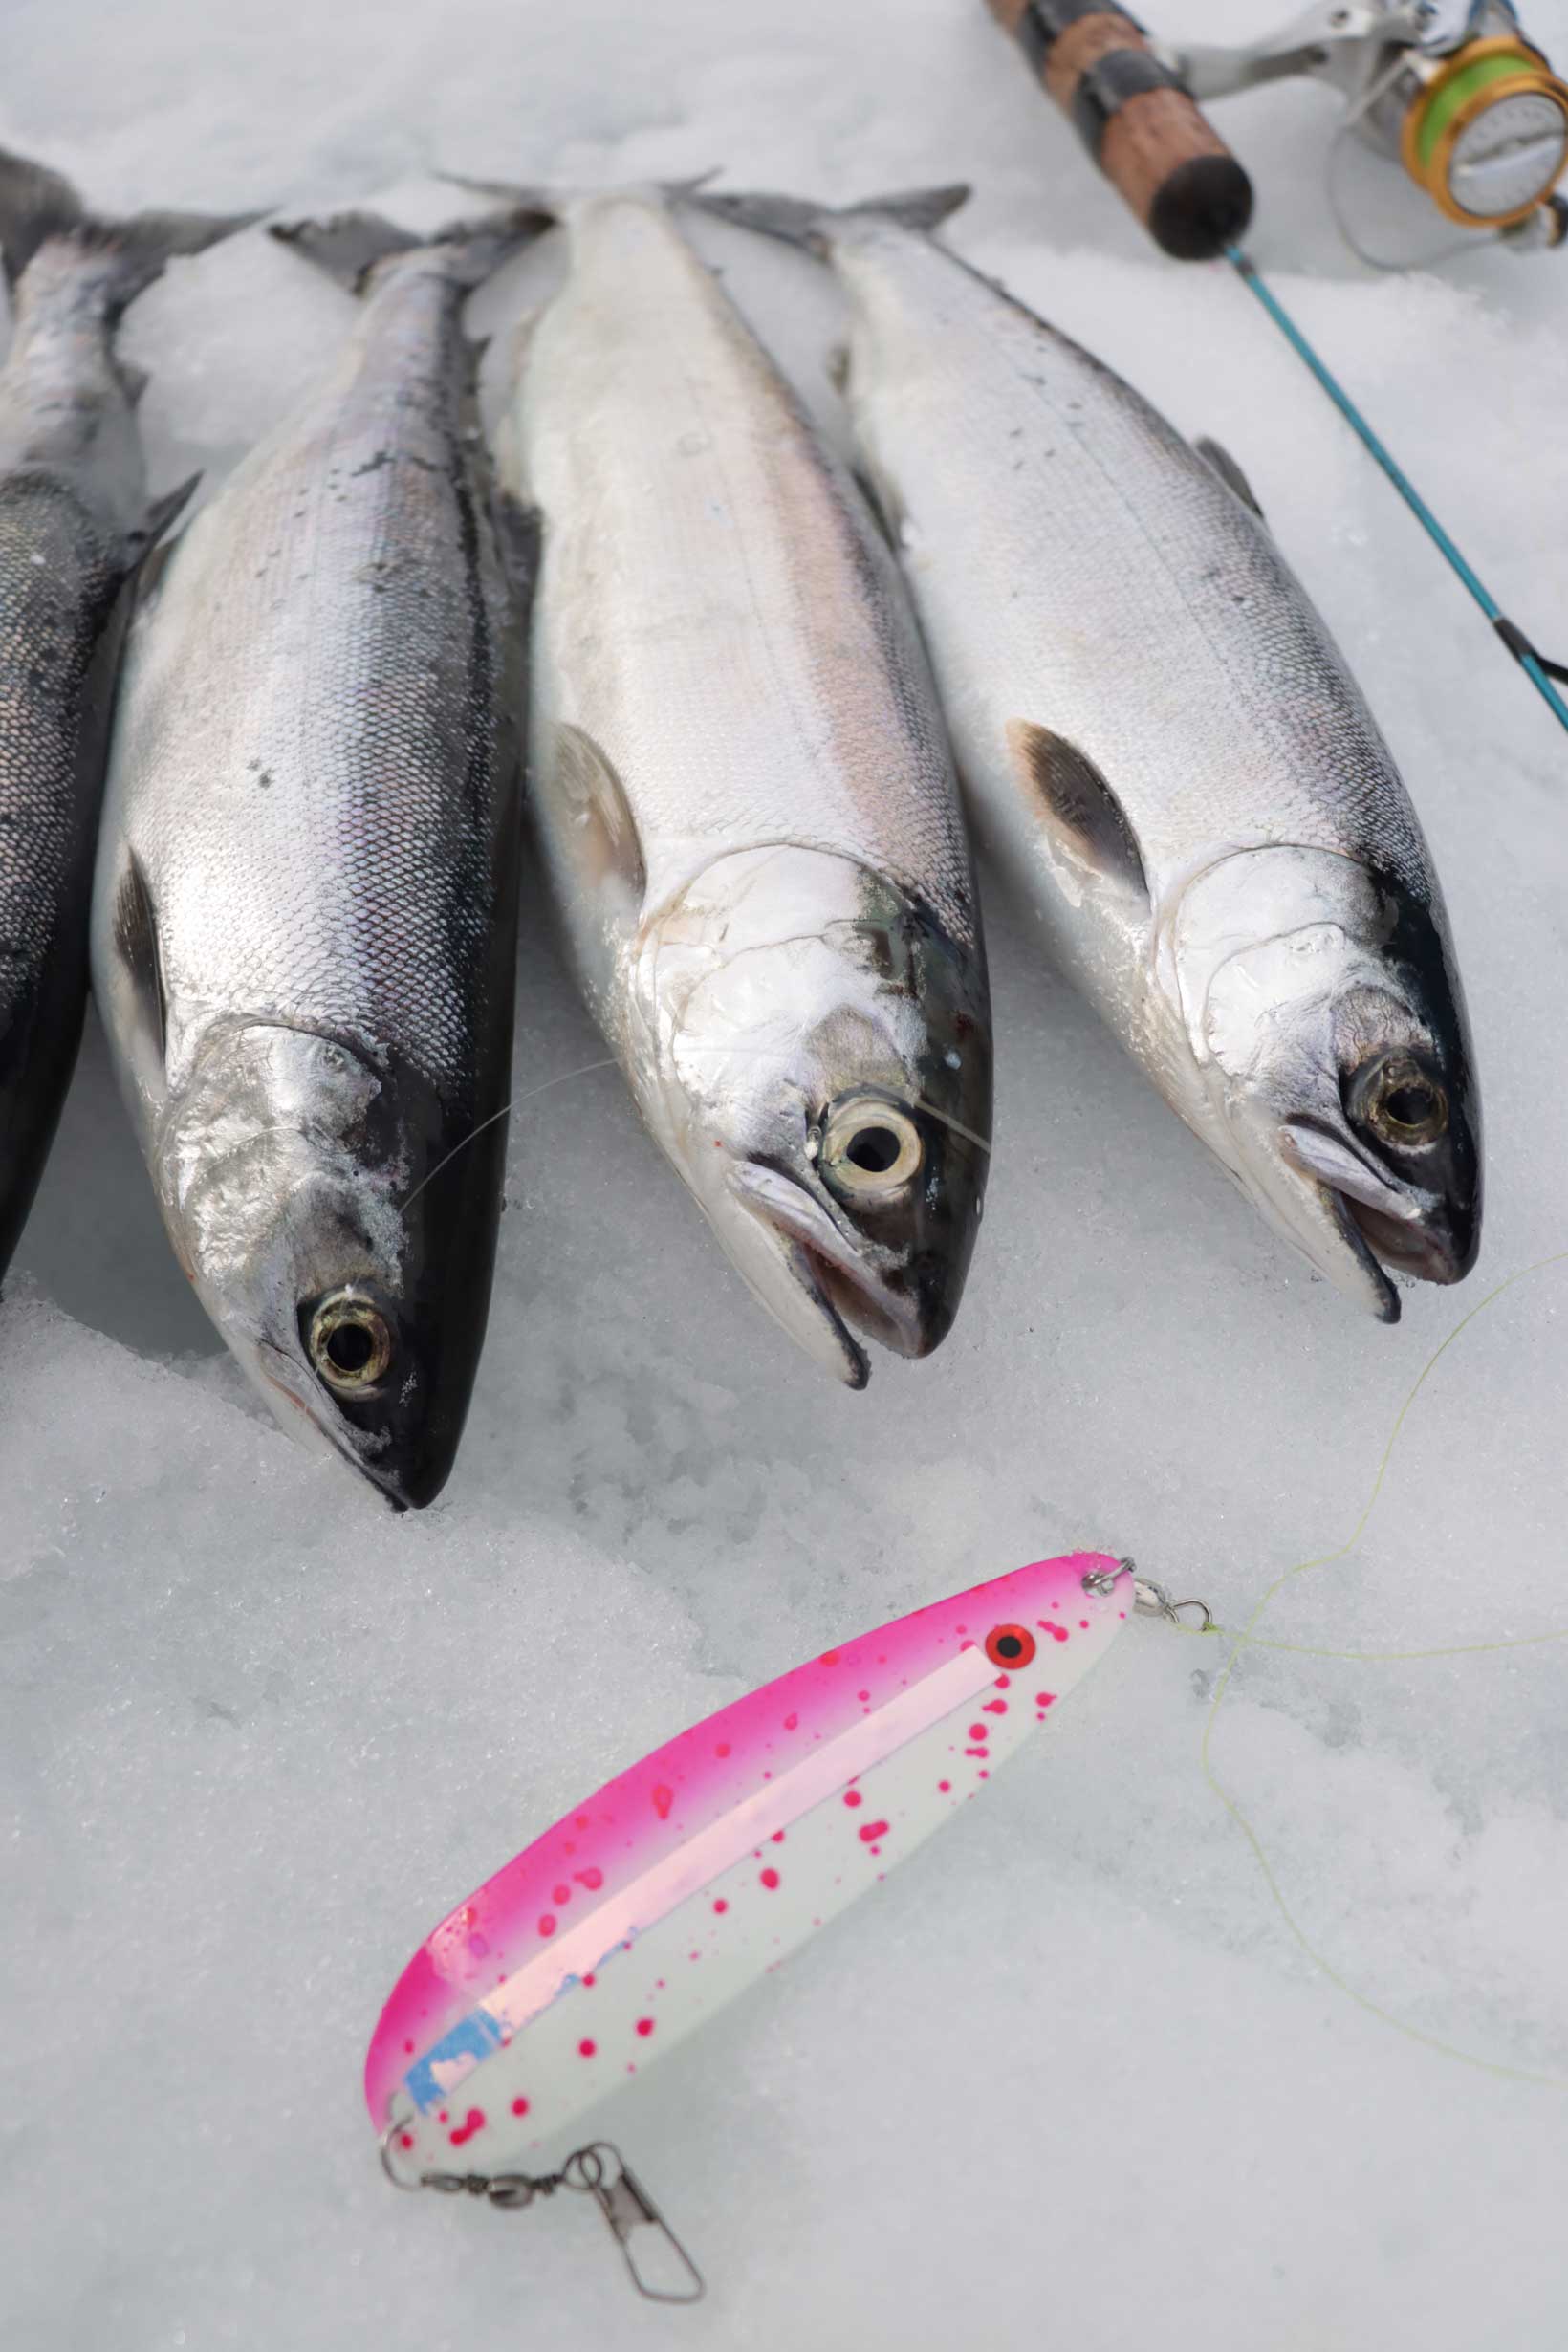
x,y
1136,120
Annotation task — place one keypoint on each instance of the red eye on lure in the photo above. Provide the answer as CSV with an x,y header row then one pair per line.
x,y
684,1879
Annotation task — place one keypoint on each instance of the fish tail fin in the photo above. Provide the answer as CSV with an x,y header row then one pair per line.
x,y
36,205
352,246
800,221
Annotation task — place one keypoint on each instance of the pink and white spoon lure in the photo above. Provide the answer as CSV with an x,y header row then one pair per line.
x,y
684,1879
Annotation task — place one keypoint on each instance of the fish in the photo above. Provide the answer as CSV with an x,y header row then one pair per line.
x,y
305,913
1165,755
75,522
744,797
686,1878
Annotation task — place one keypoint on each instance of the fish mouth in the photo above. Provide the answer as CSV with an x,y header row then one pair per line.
x,y
410,1477
819,1283
1378,1226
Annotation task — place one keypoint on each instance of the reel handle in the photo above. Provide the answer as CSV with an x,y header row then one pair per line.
x,y
1138,121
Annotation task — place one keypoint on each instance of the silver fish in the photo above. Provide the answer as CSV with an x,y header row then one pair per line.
x,y
75,521
305,916
745,797
1166,755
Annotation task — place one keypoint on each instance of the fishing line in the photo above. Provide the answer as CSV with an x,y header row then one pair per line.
x,y
1535,666
585,1069
1246,1638
559,1080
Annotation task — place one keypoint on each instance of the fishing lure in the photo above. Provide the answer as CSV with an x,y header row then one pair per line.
x,y
686,1878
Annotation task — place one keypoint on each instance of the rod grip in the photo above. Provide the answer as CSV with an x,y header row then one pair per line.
x,y
1140,124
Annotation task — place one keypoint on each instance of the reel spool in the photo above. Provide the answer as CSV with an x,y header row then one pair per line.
x,y
1455,94
1483,131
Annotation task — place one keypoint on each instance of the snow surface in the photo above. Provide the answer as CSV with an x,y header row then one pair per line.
x,y
1070,2077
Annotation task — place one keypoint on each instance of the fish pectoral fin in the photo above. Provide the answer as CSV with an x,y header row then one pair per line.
x,y
1219,458
1081,812
608,846
836,367
140,1010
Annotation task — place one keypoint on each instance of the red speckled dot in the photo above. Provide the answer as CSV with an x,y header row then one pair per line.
x,y
719,1903
723,1747
852,1797
1059,1633
593,1879
547,1925
944,1786
770,1878
520,2106
863,1694
977,1731
443,2117
791,1723
583,1821
1083,1624
995,1706
645,2026
830,1657
1045,1698
560,1894
589,1979
472,2121
777,1838
874,1829
1004,1681
587,2049
409,2047
662,1799
405,2139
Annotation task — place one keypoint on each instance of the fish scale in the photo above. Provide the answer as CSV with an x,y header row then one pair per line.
x,y
306,906
58,577
744,795
759,680
1165,754
321,778
75,522
1209,643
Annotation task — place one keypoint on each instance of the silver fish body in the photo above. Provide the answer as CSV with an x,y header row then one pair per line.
x,y
1167,756
743,796
75,522
304,924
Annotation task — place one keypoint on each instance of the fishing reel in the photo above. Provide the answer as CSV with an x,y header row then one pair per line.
x,y
1451,90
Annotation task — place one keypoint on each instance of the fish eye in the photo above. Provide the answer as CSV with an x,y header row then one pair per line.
x,y
1402,1103
1010,1646
871,1148
350,1341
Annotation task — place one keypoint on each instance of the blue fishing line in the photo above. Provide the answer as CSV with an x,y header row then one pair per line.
x,y
1516,642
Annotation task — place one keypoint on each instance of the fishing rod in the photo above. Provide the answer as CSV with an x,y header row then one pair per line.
x,y
1450,90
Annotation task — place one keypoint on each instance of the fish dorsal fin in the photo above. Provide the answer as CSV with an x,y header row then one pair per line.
x,y
139,972
1085,819
1215,455
608,847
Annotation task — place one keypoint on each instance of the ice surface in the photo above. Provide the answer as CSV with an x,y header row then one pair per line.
x,y
1071,2077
